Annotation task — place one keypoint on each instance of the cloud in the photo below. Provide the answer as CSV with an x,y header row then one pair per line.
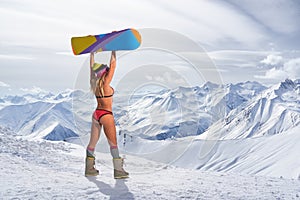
x,y
210,22
215,23
279,16
36,34
237,58
290,69
272,60
34,90
278,74
36,23
2,84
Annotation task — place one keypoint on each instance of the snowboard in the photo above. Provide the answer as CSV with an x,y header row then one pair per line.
x,y
127,39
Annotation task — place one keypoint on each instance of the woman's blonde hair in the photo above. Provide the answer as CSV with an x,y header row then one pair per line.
x,y
97,84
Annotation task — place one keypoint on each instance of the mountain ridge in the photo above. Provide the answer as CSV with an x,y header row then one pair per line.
x,y
172,113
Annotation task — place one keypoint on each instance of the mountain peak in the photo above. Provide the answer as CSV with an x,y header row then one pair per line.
x,y
288,86
288,83
210,86
59,133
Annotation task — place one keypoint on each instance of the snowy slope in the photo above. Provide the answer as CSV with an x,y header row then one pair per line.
x,y
268,156
54,170
273,156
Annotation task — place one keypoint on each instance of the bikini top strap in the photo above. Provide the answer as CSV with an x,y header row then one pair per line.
x,y
100,97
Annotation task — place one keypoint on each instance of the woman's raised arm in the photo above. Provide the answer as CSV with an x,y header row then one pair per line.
x,y
112,67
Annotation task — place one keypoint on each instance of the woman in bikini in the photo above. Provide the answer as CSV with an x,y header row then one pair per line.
x,y
100,78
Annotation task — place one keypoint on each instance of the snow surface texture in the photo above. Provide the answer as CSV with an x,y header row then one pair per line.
x,y
221,136
54,170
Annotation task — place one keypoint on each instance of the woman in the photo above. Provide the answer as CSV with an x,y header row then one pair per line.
x,y
100,78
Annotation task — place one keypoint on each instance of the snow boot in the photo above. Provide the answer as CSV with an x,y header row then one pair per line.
x,y
119,172
90,167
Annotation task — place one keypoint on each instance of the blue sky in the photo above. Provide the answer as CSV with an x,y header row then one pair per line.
x,y
248,40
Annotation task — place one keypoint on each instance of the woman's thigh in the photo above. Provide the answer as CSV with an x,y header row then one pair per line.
x,y
109,127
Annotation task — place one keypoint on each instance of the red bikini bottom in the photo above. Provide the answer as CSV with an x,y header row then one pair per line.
x,y
99,113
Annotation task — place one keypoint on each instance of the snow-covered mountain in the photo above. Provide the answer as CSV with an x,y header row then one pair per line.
x,y
50,117
171,113
184,111
212,111
273,111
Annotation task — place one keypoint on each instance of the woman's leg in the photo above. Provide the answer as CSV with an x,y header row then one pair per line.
x,y
109,126
110,132
90,169
95,134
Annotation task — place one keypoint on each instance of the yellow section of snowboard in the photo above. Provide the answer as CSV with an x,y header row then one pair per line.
x,y
79,44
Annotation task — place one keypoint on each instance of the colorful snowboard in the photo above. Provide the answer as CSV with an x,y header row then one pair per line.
x,y
128,39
